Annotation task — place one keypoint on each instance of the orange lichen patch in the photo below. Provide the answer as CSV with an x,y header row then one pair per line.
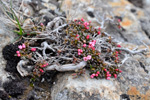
x,y
126,22
140,13
134,94
133,91
120,3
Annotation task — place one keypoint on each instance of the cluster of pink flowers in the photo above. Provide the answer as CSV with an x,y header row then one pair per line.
x,y
23,46
92,44
87,58
44,65
95,74
18,53
80,51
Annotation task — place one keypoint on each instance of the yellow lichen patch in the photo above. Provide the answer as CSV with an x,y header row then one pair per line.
x,y
120,3
134,94
126,22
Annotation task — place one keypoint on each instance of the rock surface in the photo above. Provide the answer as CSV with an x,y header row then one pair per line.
x,y
132,84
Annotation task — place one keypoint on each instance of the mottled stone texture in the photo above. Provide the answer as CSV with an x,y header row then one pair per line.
x,y
132,84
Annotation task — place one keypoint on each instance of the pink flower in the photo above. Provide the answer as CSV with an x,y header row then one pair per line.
x,y
98,72
20,47
109,75
118,45
99,32
89,21
120,71
23,46
75,20
108,78
41,70
99,28
46,64
87,28
94,41
105,70
115,76
18,55
96,75
116,52
42,24
81,50
119,20
88,36
92,76
89,57
82,19
79,53
84,45
33,49
93,48
77,35
117,58
85,59
117,69
17,52
79,22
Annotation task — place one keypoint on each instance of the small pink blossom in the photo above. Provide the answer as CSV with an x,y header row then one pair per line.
x,y
18,55
79,22
42,24
41,70
23,46
84,45
33,49
87,28
115,76
105,70
118,45
116,52
98,72
89,21
85,59
88,36
120,71
89,57
82,19
20,47
117,69
99,32
99,28
108,78
92,76
46,64
117,58
96,75
79,53
75,20
119,20
17,52
77,35
93,48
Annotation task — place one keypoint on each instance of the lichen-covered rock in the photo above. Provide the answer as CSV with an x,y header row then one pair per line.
x,y
133,83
